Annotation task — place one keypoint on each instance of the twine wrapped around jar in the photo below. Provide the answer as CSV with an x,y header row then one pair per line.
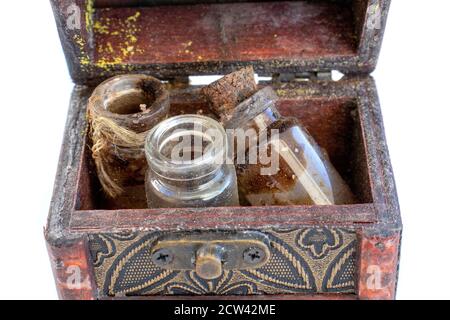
x,y
121,112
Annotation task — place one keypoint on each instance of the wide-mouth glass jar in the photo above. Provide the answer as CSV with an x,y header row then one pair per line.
x,y
121,111
187,158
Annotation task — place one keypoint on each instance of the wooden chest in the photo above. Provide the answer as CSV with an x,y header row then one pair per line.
x,y
101,249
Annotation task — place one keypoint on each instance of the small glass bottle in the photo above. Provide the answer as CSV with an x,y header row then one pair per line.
x,y
288,167
187,163
122,110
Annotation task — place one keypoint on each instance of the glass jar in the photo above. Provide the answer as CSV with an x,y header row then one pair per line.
x,y
282,164
187,163
121,111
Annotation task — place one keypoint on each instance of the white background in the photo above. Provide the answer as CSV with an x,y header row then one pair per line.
x,y
413,83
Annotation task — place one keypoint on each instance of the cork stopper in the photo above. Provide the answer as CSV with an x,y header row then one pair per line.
x,y
226,93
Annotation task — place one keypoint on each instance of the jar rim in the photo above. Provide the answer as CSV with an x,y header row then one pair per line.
x,y
210,161
118,87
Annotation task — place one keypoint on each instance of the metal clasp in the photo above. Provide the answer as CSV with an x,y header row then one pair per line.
x,y
210,253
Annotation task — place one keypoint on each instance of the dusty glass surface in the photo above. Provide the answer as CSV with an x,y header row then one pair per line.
x,y
187,164
291,169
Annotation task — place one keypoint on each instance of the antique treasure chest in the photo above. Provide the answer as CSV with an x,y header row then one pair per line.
x,y
105,247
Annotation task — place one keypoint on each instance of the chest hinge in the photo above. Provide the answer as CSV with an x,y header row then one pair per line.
x,y
303,76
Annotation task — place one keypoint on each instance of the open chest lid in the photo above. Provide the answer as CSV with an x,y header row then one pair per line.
x,y
176,38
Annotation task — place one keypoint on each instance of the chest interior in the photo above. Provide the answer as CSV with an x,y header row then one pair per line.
x,y
335,123
294,45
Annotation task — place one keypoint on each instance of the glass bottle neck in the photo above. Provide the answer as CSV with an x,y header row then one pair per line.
x,y
257,112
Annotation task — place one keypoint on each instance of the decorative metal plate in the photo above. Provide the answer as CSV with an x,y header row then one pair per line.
x,y
307,260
